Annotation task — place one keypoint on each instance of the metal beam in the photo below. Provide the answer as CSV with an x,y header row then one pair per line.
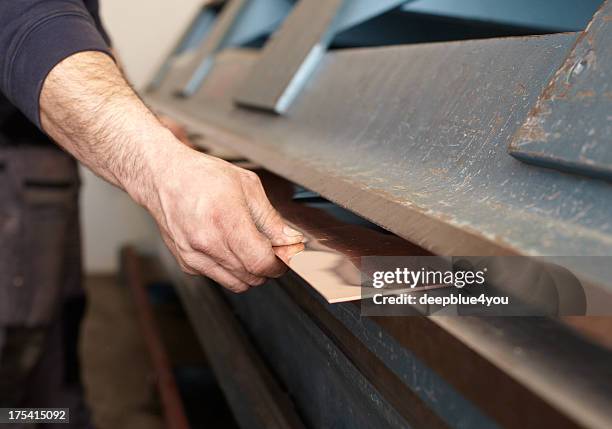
x,y
570,126
415,139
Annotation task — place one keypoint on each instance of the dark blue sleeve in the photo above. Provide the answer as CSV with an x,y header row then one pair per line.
x,y
94,9
35,35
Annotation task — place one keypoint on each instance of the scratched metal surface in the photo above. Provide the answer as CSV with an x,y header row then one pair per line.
x,y
570,127
415,139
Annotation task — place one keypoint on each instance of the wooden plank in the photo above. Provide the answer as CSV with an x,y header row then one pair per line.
x,y
174,413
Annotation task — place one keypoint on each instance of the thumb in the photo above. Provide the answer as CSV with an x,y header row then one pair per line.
x,y
273,226
269,221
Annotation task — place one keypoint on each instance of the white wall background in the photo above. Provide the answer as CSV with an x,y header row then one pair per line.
x,y
143,32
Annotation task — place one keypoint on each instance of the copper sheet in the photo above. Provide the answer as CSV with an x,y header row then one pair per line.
x,y
330,260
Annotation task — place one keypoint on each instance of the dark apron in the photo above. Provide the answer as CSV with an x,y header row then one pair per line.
x,y
39,234
40,268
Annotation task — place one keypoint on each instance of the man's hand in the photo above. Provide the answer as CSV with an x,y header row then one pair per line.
x,y
217,220
213,216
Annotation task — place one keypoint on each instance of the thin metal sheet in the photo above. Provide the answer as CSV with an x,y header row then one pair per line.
x,y
570,127
333,275
330,259
342,251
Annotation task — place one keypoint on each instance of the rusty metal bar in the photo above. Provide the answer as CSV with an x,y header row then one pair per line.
x,y
570,126
174,414
250,388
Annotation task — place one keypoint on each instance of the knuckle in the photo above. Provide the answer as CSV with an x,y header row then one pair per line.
x,y
230,265
189,259
219,218
270,216
238,288
258,264
258,282
253,280
281,272
185,268
251,177
202,243
197,263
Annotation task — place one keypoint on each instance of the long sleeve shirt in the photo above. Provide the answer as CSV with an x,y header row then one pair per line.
x,y
35,35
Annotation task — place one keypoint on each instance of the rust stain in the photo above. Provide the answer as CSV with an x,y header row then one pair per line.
x,y
438,171
559,87
521,89
531,131
585,94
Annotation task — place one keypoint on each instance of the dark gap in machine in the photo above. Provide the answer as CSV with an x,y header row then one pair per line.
x,y
399,27
194,378
312,199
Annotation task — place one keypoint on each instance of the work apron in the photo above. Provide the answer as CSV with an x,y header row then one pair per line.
x,y
40,269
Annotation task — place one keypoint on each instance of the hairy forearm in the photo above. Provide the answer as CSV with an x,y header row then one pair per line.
x,y
89,109
214,217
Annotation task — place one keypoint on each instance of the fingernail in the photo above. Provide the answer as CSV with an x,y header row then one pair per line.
x,y
291,232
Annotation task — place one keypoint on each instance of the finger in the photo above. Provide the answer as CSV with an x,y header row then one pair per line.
x,y
207,267
222,255
231,263
227,280
285,253
252,248
266,218
171,245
